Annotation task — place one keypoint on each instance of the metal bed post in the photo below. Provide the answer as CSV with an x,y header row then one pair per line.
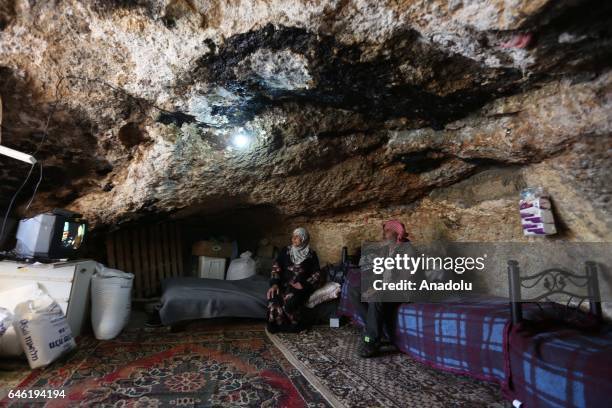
x,y
593,290
514,283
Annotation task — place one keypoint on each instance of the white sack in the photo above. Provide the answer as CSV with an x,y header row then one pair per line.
x,y
241,268
111,299
42,329
6,320
9,299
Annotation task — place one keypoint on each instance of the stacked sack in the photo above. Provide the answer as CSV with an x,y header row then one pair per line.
x,y
36,326
111,300
6,320
536,214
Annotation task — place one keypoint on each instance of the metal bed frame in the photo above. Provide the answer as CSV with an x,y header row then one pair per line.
x,y
556,281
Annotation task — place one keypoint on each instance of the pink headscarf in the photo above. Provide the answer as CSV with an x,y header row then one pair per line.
x,y
397,227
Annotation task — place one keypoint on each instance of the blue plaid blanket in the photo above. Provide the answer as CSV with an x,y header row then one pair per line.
x,y
541,364
465,338
461,337
553,365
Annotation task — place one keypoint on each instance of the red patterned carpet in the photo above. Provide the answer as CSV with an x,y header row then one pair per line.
x,y
201,367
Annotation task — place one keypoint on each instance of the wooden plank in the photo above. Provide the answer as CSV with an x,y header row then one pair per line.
x,y
138,278
158,259
171,240
127,251
146,268
110,251
167,252
162,247
179,249
119,250
152,259
170,250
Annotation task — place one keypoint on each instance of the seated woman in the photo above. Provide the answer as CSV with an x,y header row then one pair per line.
x,y
295,275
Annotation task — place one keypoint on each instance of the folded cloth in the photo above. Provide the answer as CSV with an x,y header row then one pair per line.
x,y
329,291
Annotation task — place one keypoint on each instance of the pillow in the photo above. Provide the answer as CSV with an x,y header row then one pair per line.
x,y
329,291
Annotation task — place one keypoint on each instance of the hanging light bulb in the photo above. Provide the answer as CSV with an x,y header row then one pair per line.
x,y
241,139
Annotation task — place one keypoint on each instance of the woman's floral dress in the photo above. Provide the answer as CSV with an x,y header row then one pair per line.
x,y
285,309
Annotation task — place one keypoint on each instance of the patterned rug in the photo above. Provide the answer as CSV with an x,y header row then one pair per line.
x,y
218,367
328,358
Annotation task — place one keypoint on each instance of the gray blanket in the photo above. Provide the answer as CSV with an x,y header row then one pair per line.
x,y
196,298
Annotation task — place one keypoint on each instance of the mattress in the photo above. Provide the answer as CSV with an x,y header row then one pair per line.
x,y
538,362
464,337
555,365
196,298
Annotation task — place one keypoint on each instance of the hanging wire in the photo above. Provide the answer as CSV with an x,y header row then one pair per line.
x,y
40,177
45,135
13,200
38,147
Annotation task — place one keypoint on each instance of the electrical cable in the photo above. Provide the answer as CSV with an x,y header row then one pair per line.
x,y
8,210
42,140
35,187
45,134
138,100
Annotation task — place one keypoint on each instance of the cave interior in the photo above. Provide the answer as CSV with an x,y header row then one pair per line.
x,y
150,112
168,123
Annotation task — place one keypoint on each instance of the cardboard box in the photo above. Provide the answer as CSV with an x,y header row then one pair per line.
x,y
212,249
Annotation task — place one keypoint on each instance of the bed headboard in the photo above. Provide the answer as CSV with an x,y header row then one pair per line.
x,y
555,281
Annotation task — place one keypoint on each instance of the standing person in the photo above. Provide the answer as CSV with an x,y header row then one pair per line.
x,y
295,275
377,315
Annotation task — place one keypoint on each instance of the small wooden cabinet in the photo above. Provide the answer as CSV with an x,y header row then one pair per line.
x,y
66,282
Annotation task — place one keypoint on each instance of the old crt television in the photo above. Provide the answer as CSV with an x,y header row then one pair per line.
x,y
55,235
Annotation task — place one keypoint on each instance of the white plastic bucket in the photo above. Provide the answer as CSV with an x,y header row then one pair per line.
x,y
111,301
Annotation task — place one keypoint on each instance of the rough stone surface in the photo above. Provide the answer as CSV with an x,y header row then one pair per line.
x,y
350,111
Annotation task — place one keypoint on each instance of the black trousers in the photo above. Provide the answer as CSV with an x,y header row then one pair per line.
x,y
379,316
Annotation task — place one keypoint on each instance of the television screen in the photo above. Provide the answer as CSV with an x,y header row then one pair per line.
x,y
50,236
72,235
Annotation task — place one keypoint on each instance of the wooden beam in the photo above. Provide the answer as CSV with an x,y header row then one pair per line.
x,y
138,275
120,250
159,259
146,266
172,247
179,249
127,251
110,251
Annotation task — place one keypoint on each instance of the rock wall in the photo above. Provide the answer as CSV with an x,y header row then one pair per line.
x,y
334,114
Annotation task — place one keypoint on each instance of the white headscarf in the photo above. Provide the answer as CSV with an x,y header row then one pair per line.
x,y
299,253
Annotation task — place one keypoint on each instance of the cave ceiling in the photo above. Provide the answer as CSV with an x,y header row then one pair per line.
x,y
137,108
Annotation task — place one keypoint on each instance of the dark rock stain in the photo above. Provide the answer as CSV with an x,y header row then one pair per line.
x,y
175,118
376,88
422,162
589,26
131,134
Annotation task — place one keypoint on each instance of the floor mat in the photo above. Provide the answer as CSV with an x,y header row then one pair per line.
x,y
328,358
212,367
12,372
